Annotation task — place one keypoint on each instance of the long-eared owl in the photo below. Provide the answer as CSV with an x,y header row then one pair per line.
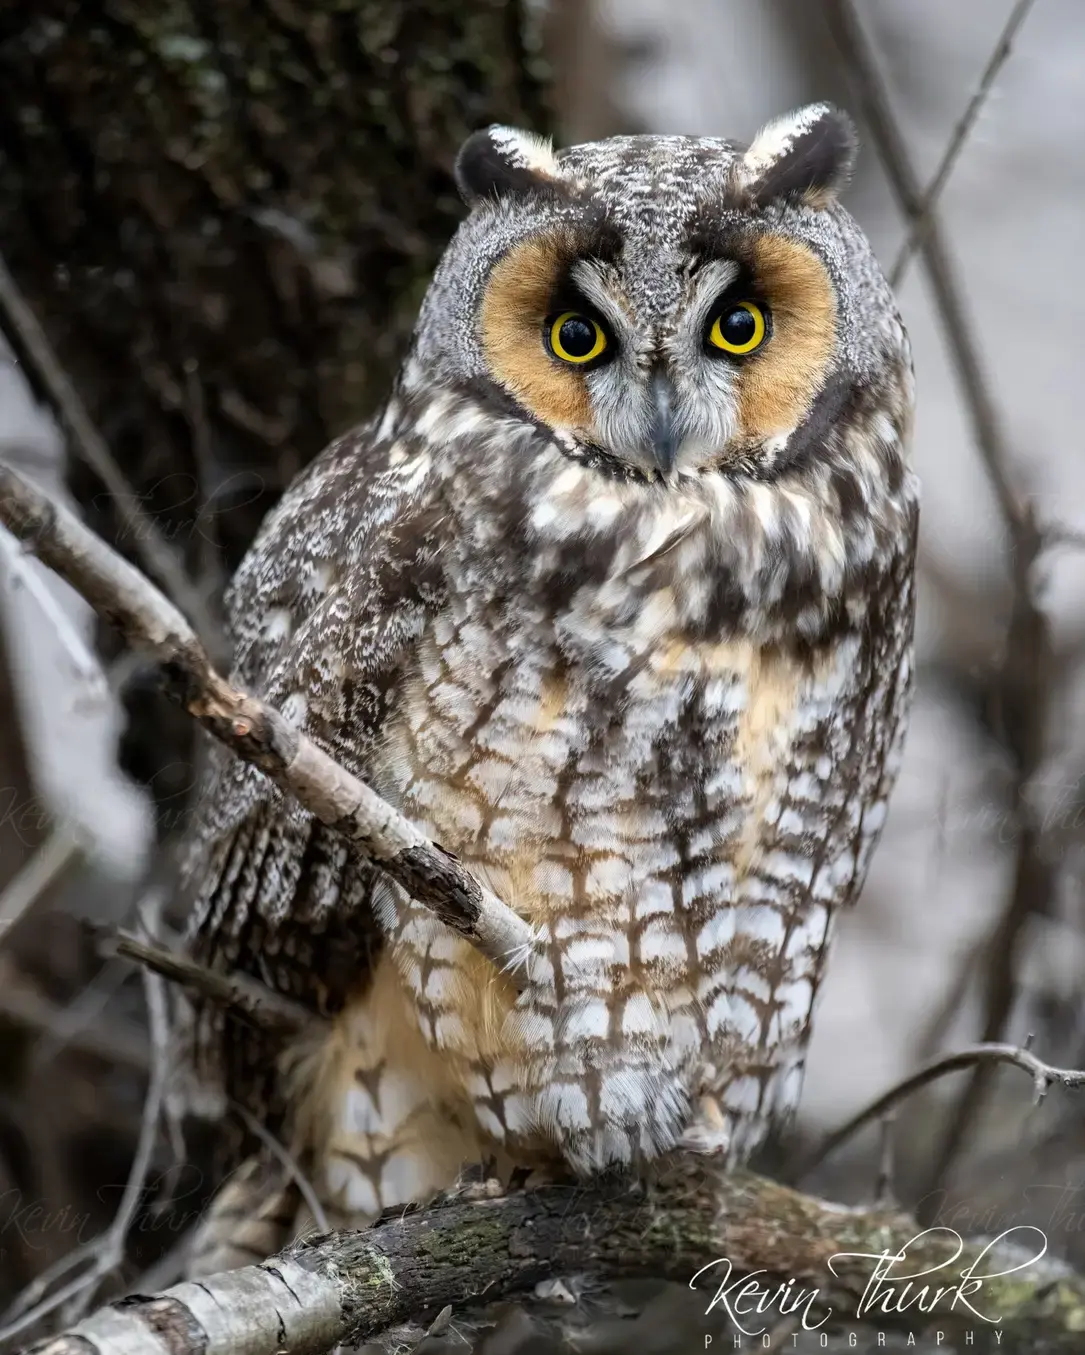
x,y
613,598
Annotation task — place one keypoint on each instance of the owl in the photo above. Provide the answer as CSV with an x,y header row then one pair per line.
x,y
613,598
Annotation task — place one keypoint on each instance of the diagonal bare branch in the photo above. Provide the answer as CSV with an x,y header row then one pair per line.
x,y
1043,1077
961,132
258,733
873,98
60,850
248,998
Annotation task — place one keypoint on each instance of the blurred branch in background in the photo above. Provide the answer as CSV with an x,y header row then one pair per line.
x,y
101,1256
919,219
56,854
1043,1075
1021,686
159,558
920,211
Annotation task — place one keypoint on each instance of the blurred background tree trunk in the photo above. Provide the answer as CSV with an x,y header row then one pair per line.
x,y
225,216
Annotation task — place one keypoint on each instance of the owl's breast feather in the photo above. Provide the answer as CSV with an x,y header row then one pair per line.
x,y
667,744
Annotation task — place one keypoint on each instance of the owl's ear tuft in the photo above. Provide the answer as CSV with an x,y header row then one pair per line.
x,y
500,161
806,155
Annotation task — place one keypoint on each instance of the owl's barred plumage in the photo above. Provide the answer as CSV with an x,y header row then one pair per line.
x,y
633,642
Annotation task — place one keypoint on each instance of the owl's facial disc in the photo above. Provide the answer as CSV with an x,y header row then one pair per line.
x,y
666,306
714,380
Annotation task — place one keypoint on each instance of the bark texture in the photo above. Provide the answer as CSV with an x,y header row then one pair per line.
x,y
224,216
353,1286
253,192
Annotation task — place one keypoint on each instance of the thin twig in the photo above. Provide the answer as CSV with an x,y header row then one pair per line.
x,y
84,666
59,850
872,96
20,1005
150,914
287,1160
112,1254
1043,1076
918,225
246,997
106,1253
89,444
79,1020
260,735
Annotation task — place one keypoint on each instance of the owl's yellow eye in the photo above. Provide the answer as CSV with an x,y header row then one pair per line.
x,y
739,328
576,338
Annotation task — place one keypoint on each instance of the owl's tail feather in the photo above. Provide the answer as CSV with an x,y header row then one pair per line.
x,y
254,1215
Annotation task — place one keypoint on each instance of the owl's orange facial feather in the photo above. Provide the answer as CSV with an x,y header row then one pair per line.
x,y
776,385
770,392
518,300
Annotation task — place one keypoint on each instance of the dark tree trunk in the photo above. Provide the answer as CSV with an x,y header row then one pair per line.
x,y
224,212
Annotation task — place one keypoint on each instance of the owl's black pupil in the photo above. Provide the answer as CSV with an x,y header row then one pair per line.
x,y
738,326
577,337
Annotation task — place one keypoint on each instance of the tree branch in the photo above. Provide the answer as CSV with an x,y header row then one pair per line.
x,y
998,58
250,999
1021,688
351,1286
257,732
986,1055
871,93
53,858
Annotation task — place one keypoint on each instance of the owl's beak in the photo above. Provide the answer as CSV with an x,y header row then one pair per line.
x,y
664,435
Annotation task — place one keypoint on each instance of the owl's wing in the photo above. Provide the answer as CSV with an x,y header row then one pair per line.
x,y
340,582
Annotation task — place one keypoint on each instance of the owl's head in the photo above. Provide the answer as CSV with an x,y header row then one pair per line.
x,y
670,303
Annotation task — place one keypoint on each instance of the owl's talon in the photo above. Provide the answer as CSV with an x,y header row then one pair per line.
x,y
707,1132
476,1181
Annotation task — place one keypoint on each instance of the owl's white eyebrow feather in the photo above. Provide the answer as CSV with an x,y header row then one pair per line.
x,y
712,281
592,282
